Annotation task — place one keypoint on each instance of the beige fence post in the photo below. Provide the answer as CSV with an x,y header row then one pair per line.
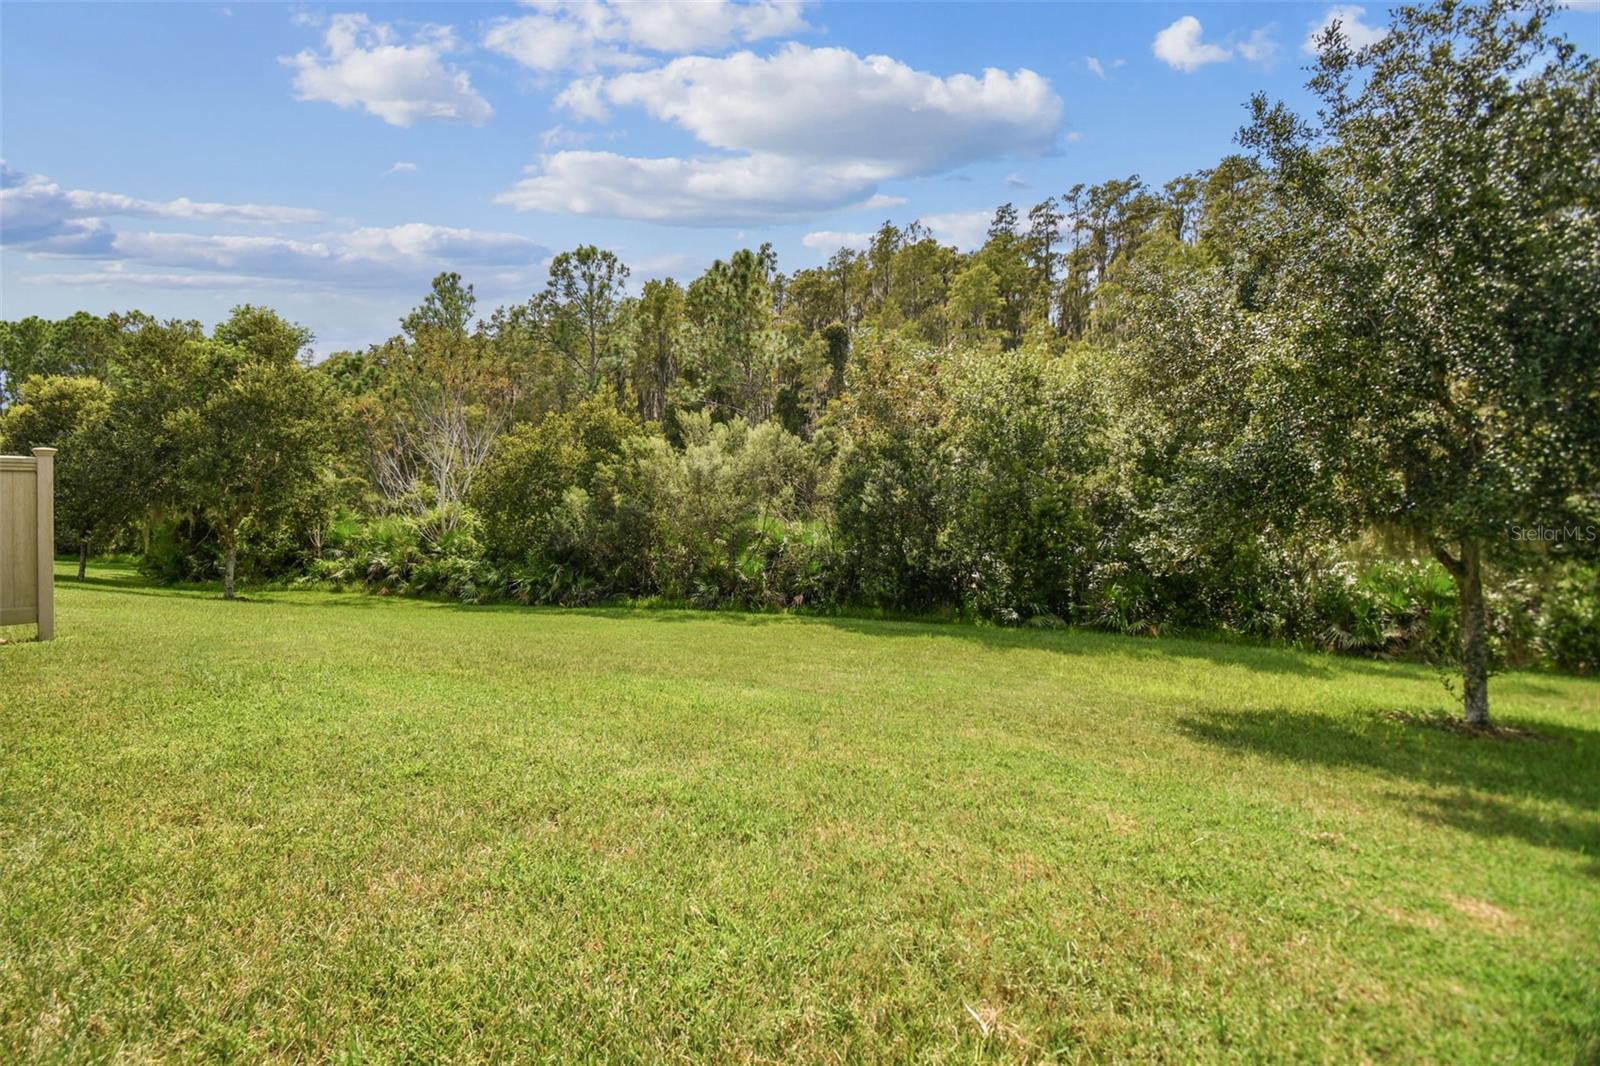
x,y
46,458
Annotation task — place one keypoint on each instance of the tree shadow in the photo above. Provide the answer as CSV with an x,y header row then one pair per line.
x,y
140,588
365,601
1065,640
1487,816
1476,770
1212,649
121,579
1225,649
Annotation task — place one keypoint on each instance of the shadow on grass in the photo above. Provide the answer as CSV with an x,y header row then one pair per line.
x,y
1069,640
1487,816
112,579
121,576
141,587
1066,640
1212,648
1480,779
127,581
1258,657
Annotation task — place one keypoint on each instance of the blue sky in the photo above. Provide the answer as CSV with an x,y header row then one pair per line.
x,y
328,160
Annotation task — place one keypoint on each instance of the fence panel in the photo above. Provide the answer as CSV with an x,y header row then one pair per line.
x,y
28,540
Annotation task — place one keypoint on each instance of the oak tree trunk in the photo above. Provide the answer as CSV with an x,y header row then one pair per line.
x,y
1468,573
1474,638
83,556
230,559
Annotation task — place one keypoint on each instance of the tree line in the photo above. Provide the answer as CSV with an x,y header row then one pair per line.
x,y
1325,391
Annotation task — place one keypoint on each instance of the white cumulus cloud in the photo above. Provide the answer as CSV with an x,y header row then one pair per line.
x,y
829,104
363,65
814,129
1180,46
596,34
585,98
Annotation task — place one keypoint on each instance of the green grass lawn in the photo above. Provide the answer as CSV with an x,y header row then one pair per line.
x,y
315,826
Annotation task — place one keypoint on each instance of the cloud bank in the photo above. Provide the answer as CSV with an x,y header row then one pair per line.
x,y
41,219
799,132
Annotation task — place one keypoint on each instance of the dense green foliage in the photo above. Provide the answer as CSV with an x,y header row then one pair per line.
x,y
1339,390
316,827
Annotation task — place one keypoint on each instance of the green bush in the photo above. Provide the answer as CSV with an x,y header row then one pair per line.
x,y
1569,631
1393,610
435,553
521,488
179,551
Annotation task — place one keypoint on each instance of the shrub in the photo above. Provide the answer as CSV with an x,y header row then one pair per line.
x,y
522,486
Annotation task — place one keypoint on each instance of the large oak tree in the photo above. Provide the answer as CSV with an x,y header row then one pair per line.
x,y
1427,276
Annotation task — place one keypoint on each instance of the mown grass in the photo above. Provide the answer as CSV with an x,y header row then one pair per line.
x,y
316,826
